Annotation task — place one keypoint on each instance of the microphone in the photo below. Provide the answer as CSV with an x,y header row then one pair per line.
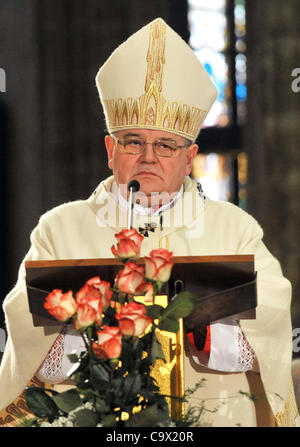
x,y
133,186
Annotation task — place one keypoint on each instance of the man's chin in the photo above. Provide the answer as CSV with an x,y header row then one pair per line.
x,y
151,185
154,191
153,198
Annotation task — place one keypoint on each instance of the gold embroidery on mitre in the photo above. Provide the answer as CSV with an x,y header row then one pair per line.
x,y
156,54
151,109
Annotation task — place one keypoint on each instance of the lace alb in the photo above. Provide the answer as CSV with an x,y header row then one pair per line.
x,y
246,353
51,369
229,349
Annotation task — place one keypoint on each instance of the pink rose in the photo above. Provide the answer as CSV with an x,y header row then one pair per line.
x,y
61,306
133,319
104,288
95,289
131,279
129,244
158,265
109,344
90,294
86,316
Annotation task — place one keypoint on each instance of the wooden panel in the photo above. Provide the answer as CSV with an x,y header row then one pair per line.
x,y
224,285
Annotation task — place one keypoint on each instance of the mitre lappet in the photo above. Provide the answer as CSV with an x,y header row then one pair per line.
x,y
154,80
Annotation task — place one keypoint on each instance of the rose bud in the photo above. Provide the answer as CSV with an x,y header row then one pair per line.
x,y
95,289
91,294
61,306
86,316
104,288
129,244
133,319
109,344
147,290
130,279
158,265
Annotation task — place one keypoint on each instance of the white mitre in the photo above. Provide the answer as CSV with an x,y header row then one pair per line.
x,y
155,81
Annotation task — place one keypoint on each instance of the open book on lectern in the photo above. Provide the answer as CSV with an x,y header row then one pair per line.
x,y
224,286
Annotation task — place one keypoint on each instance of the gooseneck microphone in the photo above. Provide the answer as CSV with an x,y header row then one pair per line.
x,y
133,186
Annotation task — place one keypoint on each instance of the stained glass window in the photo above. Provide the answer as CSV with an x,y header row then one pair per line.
x,y
240,59
209,38
220,46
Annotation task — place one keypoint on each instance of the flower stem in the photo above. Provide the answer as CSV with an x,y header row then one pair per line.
x,y
155,290
84,339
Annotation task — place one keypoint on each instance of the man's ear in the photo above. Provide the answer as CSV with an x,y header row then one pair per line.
x,y
109,144
191,154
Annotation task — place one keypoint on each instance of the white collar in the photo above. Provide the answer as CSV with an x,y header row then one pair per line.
x,y
139,209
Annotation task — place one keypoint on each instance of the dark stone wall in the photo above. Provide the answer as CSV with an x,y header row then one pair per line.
x,y
272,134
51,52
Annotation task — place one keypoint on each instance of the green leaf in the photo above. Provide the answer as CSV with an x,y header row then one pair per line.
x,y
26,422
132,384
87,393
73,358
144,365
118,385
83,361
126,355
81,380
163,410
156,351
180,307
40,404
99,375
145,418
101,405
50,390
68,400
86,418
169,325
109,421
138,350
154,311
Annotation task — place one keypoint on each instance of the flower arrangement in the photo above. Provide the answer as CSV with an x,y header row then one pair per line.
x,y
112,377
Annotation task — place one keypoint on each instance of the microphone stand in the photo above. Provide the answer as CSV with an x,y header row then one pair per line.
x,y
130,214
133,186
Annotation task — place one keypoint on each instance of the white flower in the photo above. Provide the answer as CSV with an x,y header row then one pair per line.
x,y
59,422
68,421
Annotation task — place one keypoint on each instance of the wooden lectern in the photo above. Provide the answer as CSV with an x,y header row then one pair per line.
x,y
225,286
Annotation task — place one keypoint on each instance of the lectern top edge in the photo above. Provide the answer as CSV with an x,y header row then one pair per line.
x,y
113,261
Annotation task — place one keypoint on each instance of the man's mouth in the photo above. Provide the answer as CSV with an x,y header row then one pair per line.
x,y
150,173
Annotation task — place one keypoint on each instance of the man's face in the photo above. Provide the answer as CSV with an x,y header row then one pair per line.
x,y
154,173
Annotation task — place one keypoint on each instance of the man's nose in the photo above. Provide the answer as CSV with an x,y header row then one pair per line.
x,y
148,155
